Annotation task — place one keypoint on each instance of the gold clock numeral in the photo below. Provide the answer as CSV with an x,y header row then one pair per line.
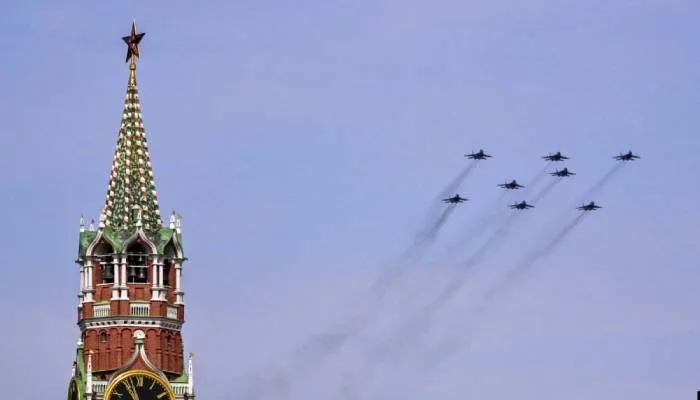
x,y
117,393
153,384
160,396
139,380
131,389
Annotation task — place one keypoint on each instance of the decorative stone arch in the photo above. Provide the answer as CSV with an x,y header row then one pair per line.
x,y
97,247
139,236
173,249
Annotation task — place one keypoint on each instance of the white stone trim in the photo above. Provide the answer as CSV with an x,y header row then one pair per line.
x,y
116,271
179,299
190,376
88,377
141,322
140,235
89,289
122,282
171,312
100,236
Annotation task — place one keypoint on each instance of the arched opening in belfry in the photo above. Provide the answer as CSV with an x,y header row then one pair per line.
x,y
105,255
137,263
169,253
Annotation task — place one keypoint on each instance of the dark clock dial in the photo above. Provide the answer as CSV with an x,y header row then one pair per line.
x,y
139,386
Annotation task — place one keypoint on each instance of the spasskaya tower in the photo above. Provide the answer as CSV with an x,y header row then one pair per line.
x,y
131,305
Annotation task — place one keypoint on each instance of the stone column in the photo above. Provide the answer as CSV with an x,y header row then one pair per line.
x,y
117,280
81,294
124,288
178,283
161,286
155,283
88,282
190,377
88,376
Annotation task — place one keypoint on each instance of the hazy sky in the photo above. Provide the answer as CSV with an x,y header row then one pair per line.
x,y
304,142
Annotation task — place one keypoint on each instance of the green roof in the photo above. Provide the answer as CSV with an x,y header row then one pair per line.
x,y
118,239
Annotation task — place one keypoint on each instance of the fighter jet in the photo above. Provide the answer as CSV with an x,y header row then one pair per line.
x,y
626,157
563,172
511,185
454,199
589,207
521,206
555,157
480,155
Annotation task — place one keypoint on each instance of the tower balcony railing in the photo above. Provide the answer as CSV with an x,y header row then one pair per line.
x,y
139,309
179,388
99,386
100,310
172,312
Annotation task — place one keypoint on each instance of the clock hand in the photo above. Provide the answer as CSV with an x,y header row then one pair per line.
x,y
132,390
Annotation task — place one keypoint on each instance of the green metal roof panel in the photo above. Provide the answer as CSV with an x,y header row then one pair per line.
x,y
118,239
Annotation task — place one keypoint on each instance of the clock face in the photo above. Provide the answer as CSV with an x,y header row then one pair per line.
x,y
139,385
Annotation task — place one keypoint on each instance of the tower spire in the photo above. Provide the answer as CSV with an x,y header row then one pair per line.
x,y
132,189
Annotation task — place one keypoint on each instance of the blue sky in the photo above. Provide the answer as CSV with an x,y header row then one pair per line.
x,y
304,144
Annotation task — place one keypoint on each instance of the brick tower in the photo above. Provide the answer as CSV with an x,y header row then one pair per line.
x,y
131,304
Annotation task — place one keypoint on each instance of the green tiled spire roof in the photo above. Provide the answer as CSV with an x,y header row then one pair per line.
x,y
131,194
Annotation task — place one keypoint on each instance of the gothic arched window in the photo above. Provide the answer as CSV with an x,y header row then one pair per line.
x,y
103,252
137,264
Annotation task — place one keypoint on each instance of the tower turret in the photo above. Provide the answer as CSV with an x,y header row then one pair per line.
x,y
131,303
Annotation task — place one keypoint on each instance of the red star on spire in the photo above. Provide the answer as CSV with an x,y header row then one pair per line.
x,y
132,42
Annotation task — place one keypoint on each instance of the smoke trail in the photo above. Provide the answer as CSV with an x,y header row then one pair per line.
x,y
528,263
493,212
601,182
449,347
430,234
314,351
421,321
538,177
457,181
540,195
475,228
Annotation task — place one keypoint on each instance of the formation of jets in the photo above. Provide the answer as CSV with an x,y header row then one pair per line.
x,y
521,206
626,157
455,199
513,184
479,155
589,207
555,157
563,172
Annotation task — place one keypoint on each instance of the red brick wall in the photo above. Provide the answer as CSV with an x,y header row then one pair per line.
x,y
112,354
163,346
